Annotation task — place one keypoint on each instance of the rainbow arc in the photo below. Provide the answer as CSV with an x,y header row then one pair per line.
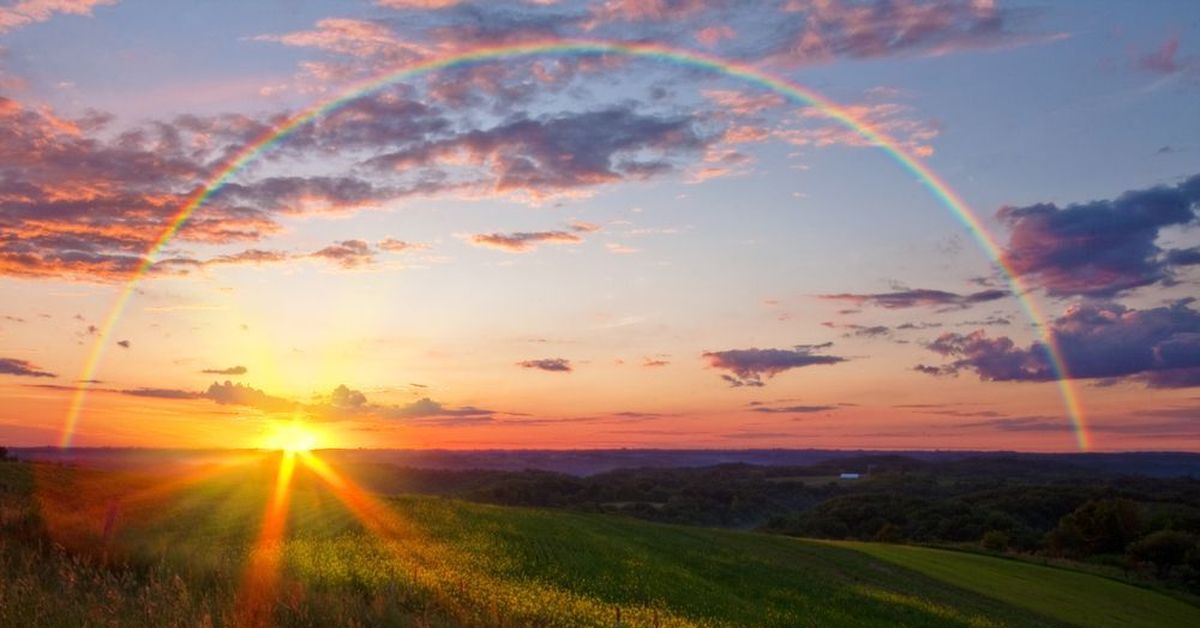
x,y
749,76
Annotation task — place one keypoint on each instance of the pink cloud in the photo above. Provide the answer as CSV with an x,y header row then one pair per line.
x,y
26,12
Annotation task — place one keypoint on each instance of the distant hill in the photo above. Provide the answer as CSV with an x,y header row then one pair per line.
x,y
585,462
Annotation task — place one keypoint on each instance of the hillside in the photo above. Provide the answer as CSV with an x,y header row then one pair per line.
x,y
206,545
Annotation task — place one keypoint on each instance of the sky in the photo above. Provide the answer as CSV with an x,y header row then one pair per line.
x,y
565,249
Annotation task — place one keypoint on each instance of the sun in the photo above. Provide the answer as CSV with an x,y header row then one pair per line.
x,y
292,437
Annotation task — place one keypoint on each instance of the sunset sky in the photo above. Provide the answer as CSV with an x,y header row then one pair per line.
x,y
569,250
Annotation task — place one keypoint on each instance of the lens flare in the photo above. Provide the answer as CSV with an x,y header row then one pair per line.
x,y
293,437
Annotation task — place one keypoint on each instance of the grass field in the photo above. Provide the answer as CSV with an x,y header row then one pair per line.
x,y
222,546
1070,596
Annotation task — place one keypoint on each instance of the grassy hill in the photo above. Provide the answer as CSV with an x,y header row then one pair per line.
x,y
202,547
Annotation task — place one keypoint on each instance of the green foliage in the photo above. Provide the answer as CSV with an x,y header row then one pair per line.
x,y
1099,526
1165,550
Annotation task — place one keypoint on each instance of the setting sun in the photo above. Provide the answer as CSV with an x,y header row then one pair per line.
x,y
293,437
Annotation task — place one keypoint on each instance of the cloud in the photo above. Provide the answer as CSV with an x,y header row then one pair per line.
x,y
748,366
553,365
23,368
522,241
1101,248
1159,346
347,254
1177,422
229,393
346,403
312,195
417,4
427,408
249,256
1166,60
124,344
793,409
233,370
860,331
161,393
654,362
344,397
581,226
25,12
548,154
824,30
919,297
355,38
79,200
893,120
393,245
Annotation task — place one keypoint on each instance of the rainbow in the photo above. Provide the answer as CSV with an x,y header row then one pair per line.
x,y
681,58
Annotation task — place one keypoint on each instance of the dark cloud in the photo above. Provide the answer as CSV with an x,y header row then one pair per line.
x,y
1159,346
654,362
918,297
554,365
23,368
1102,248
233,370
124,344
859,331
1183,257
562,152
994,320
162,393
793,409
748,366
308,195
921,325
232,394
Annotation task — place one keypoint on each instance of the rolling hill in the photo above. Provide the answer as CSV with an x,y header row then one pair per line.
x,y
222,545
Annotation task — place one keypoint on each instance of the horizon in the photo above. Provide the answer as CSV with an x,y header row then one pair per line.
x,y
573,226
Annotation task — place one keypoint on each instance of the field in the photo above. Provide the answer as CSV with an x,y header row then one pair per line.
x,y
265,542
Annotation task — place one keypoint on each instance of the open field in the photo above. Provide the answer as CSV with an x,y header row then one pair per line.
x,y
223,545
1068,595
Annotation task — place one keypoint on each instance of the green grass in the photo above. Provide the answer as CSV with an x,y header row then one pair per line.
x,y
182,559
1068,595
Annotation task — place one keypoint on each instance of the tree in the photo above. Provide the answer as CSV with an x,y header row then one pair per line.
x,y
1165,550
1099,526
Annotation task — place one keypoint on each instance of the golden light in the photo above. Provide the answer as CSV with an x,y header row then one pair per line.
x,y
292,437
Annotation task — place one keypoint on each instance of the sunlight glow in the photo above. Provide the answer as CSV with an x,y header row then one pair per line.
x,y
256,597
292,437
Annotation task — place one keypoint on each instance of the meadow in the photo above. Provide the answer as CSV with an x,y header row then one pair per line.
x,y
225,545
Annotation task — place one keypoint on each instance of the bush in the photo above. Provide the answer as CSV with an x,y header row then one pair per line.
x,y
995,540
1164,550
